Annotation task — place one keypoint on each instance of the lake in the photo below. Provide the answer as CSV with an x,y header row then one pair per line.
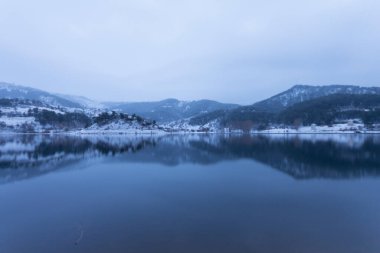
x,y
190,193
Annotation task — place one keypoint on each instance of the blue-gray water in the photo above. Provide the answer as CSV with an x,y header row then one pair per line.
x,y
196,193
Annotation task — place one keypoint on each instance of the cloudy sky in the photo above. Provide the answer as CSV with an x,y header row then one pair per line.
x,y
234,51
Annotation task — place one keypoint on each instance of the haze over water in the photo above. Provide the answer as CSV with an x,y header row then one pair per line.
x,y
200,193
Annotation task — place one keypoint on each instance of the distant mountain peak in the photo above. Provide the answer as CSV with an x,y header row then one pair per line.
x,y
301,92
170,109
8,90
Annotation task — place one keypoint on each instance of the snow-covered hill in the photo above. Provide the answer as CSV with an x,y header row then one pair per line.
x,y
29,116
162,111
11,91
19,115
170,109
24,109
84,102
301,93
122,124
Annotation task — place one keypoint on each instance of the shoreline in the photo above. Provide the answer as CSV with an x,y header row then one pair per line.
x,y
127,133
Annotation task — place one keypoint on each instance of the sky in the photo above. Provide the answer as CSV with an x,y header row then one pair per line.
x,y
238,51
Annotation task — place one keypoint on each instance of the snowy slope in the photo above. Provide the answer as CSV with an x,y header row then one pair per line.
x,y
122,127
16,116
170,109
8,90
162,111
301,93
83,101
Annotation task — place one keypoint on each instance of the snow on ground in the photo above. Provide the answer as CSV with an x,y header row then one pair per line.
x,y
121,127
25,109
13,118
214,127
184,126
336,128
17,121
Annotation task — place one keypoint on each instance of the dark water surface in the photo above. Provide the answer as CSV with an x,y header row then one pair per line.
x,y
312,194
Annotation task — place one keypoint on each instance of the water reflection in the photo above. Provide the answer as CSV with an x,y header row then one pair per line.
x,y
302,156
188,193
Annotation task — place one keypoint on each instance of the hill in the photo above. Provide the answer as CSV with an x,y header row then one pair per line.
x,y
328,110
170,109
333,108
301,93
12,91
298,103
161,111
30,116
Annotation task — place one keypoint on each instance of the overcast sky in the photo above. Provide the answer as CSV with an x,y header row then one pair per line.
x,y
233,51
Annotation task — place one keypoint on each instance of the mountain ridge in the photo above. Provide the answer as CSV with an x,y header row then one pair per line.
x,y
166,110
170,109
302,92
11,91
265,111
300,104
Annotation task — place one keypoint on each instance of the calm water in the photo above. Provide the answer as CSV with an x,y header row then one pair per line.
x,y
218,194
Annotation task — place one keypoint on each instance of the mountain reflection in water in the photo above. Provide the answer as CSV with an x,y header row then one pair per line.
x,y
299,156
